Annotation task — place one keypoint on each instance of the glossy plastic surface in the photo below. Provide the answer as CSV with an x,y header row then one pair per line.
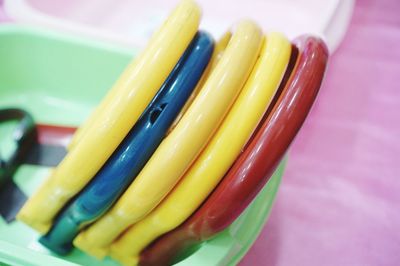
x,y
219,50
24,136
217,157
165,37
183,144
114,117
257,163
28,56
138,146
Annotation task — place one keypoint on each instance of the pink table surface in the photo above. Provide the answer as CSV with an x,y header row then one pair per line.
x,y
338,203
340,197
3,16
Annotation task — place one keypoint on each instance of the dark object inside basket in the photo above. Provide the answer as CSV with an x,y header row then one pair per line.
x,y
41,145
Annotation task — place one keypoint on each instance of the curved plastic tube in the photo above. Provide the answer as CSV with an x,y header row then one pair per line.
x,y
176,18
130,157
217,54
217,157
181,147
255,165
24,136
115,117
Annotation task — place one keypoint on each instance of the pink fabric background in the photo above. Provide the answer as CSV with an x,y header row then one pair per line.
x,y
340,197
339,203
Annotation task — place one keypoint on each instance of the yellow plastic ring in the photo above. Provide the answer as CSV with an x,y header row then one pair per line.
x,y
218,156
216,56
160,40
181,147
117,114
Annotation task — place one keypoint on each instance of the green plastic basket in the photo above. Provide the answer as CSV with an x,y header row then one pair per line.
x,y
59,79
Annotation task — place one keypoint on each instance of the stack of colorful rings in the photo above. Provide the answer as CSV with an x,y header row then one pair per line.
x,y
182,143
